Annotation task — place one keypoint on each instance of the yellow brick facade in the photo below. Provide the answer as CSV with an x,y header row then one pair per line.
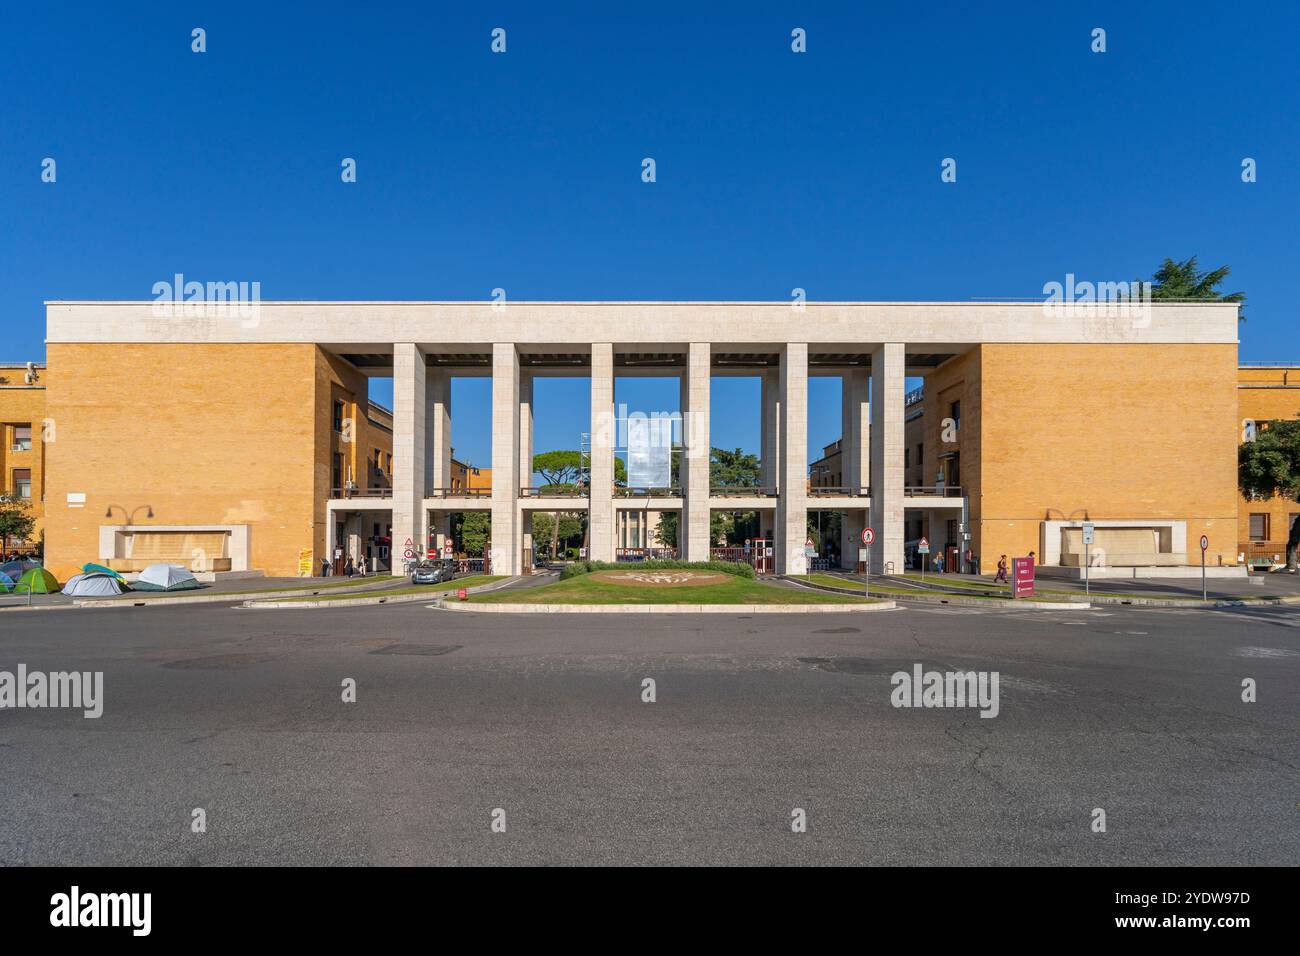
x,y
198,435
22,405
1107,432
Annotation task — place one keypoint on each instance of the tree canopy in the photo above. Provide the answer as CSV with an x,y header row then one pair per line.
x,y
1184,280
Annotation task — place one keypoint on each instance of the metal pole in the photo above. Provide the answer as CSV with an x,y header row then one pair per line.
x,y
1204,595
866,581
1086,592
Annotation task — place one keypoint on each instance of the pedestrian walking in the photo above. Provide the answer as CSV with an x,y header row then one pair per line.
x,y
1002,571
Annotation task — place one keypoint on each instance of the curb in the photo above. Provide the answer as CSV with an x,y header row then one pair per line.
x,y
277,605
955,599
218,598
663,608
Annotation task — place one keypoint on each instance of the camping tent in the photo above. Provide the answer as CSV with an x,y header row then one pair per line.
x,y
38,581
93,585
6,582
91,568
165,577
16,567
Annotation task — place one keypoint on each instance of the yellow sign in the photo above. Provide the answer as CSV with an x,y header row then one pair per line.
x,y
306,564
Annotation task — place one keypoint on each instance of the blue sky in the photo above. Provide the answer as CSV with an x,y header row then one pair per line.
x,y
775,170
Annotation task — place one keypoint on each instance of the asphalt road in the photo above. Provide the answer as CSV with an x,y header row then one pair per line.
x,y
239,712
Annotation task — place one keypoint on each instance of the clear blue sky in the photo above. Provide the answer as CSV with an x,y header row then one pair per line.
x,y
522,170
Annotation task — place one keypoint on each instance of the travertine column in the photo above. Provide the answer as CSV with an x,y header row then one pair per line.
x,y
770,442
600,516
888,380
506,557
696,452
792,507
438,430
409,395
855,449
526,431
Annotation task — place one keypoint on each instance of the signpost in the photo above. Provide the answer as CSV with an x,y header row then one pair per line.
x,y
809,552
868,536
923,549
1088,527
446,548
1022,577
1205,545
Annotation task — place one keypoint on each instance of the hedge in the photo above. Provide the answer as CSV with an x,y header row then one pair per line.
x,y
739,568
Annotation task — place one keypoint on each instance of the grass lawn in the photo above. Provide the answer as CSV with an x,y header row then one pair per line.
x,y
735,590
830,580
433,590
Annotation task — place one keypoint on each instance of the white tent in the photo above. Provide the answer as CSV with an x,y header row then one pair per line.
x,y
93,585
165,577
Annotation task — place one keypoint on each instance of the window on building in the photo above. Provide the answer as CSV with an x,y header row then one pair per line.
x,y
23,437
1259,527
338,416
22,483
336,472
907,458
954,412
920,455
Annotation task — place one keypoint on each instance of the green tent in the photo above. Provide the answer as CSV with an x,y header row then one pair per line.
x,y
37,581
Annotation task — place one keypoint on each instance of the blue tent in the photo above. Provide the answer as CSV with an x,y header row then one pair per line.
x,y
6,582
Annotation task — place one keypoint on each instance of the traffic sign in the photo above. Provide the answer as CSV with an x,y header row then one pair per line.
x,y
1088,527
446,549
923,547
868,535
1205,542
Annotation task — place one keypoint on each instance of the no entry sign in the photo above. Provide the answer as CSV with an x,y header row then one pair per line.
x,y
868,536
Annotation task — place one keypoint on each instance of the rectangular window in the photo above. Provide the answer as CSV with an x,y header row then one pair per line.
x,y
23,437
907,458
954,412
336,473
1259,527
23,483
338,416
920,455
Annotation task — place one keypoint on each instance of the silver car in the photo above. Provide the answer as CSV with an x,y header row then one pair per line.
x,y
435,571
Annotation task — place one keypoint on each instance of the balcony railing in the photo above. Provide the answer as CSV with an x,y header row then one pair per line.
x,y
352,492
932,491
743,491
838,491
552,491
458,492
631,555
644,492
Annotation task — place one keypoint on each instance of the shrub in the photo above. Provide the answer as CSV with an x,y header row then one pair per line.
x,y
739,568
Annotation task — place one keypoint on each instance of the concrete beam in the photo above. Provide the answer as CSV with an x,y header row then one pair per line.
x,y
600,516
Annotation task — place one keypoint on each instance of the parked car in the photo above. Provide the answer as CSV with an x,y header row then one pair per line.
x,y
436,571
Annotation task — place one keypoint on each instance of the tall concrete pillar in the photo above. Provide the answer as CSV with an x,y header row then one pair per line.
x,y
525,430
792,506
851,524
888,380
693,535
855,447
409,394
506,557
600,514
770,441
438,429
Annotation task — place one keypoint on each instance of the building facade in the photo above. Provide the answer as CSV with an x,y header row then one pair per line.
x,y
260,433
1266,394
23,433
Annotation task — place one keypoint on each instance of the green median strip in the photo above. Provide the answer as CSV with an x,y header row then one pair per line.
x,y
734,590
432,590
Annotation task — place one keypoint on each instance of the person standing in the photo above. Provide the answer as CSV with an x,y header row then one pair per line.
x,y
1002,571
938,563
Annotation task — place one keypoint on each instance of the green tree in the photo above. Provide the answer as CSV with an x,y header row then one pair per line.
x,y
561,470
734,469
16,521
1184,280
473,530
1270,465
